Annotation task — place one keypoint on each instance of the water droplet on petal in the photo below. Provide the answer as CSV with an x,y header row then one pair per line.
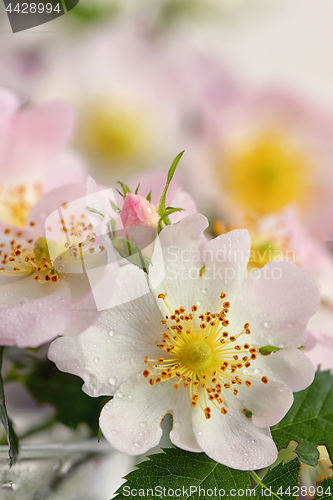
x,y
143,424
119,394
112,380
138,444
96,360
267,324
111,333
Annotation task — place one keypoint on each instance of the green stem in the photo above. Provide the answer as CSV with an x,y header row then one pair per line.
x,y
257,479
42,427
12,439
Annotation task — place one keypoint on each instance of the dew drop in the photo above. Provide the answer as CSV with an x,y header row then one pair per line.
x,y
96,360
143,424
111,333
267,324
119,394
138,444
112,380
199,433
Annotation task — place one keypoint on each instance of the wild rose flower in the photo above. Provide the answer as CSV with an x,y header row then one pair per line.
x,y
284,237
191,347
33,158
45,289
266,151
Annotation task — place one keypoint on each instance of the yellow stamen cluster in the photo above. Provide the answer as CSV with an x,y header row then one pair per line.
x,y
201,355
16,202
79,241
23,256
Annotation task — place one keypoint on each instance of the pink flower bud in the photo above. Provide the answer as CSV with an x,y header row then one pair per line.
x,y
137,211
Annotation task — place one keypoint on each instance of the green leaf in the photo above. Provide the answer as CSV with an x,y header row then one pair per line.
x,y
89,12
49,385
176,468
309,420
137,189
95,211
280,482
149,197
6,422
172,170
186,472
324,489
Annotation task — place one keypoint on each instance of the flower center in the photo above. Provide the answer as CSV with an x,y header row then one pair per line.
x,y
116,133
16,202
197,355
268,174
44,259
201,355
267,245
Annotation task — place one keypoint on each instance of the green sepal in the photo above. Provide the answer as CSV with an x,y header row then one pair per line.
x,y
268,349
114,207
126,189
95,211
165,219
